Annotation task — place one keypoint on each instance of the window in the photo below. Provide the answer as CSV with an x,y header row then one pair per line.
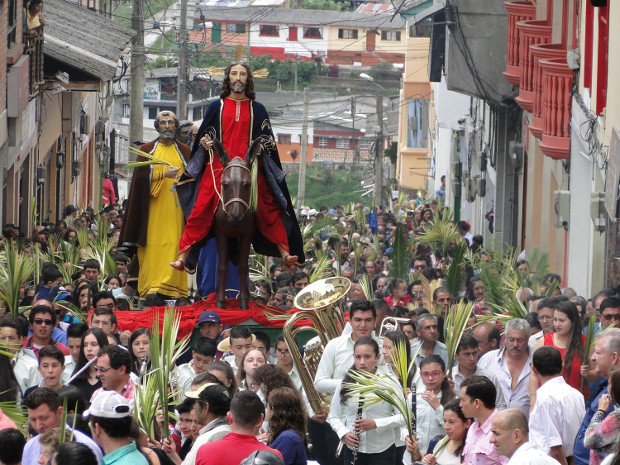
x,y
152,112
365,143
417,123
12,24
312,33
390,35
126,110
347,33
342,143
284,139
235,28
268,30
322,141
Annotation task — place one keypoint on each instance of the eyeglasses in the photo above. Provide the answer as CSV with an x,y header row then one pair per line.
x,y
417,293
283,351
419,267
41,321
613,316
545,317
431,374
102,369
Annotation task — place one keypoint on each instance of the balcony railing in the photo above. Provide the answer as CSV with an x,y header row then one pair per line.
x,y
517,11
557,80
541,52
530,33
34,49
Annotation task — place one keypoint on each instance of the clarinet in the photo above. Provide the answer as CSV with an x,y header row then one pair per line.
x,y
360,407
414,420
82,370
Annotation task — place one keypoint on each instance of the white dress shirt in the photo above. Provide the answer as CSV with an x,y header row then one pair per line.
x,y
557,416
458,378
387,418
530,454
25,367
185,375
336,360
519,397
232,362
429,422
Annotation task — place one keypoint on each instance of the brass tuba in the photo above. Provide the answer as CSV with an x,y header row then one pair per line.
x,y
321,303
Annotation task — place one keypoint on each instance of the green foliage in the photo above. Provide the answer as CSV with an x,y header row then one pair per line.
x,y
213,57
16,269
455,273
323,5
400,254
454,327
392,152
382,70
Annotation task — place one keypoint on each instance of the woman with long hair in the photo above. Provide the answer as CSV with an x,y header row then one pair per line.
x,y
368,431
446,450
569,340
225,374
287,425
83,296
391,343
250,361
430,401
140,350
93,341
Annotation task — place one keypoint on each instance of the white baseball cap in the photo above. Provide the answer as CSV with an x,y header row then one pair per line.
x,y
108,404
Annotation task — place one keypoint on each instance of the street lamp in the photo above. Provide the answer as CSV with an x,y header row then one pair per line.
x,y
379,145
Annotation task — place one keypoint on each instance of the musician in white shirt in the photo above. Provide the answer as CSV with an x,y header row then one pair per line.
x,y
366,430
337,358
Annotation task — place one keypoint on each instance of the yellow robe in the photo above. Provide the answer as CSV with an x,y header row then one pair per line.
x,y
165,227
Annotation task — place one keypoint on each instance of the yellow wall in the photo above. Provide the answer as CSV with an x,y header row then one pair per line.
x,y
359,44
612,115
412,168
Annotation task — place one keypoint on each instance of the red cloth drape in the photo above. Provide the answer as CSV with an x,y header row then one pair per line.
x,y
232,315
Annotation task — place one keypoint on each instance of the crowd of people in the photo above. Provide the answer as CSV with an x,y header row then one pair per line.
x,y
504,363
521,390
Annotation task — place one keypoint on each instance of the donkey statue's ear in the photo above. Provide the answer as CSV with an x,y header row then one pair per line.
x,y
253,151
221,152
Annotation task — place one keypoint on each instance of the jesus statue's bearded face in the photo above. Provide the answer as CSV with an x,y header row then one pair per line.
x,y
238,78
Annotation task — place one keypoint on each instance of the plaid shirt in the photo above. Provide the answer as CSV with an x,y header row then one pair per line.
x,y
127,392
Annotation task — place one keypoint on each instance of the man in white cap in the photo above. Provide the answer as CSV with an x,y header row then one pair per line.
x,y
109,417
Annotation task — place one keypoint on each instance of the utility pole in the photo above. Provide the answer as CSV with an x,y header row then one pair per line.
x,y
301,185
379,151
136,78
296,66
182,77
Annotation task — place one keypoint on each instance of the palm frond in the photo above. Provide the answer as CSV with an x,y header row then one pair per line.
x,y
259,268
441,233
16,412
455,273
150,159
400,254
322,269
16,269
453,329
146,400
165,351
589,342
367,287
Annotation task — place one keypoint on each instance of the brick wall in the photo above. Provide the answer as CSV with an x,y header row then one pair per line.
x,y
338,155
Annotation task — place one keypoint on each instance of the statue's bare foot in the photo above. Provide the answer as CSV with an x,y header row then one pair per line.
x,y
178,264
290,260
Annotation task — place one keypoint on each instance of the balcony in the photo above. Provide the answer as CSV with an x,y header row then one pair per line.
x,y
534,32
541,52
517,11
34,50
557,80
